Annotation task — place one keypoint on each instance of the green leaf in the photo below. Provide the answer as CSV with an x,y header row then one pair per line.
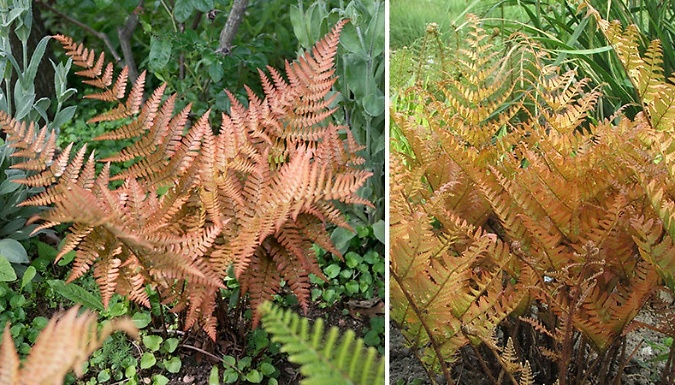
x,y
170,345
13,251
182,10
330,296
378,231
326,365
46,251
172,365
160,53
148,360
28,77
358,75
229,361
373,105
102,4
254,376
585,51
372,338
40,323
350,40
244,362
24,100
76,294
316,15
159,379
332,270
216,71
267,369
362,231
130,371
230,375
8,186
67,258
375,32
371,257
141,319
203,5
152,342
298,22
7,273
341,238
352,287
28,276
213,377
347,273
62,117
103,375
17,301
117,309
353,259
41,107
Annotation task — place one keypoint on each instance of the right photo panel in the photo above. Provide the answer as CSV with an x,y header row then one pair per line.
x,y
532,192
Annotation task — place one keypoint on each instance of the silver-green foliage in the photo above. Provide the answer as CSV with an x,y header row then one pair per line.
x,y
324,357
18,99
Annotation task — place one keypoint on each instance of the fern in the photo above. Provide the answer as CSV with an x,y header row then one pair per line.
x,y
655,144
324,357
527,207
256,194
63,345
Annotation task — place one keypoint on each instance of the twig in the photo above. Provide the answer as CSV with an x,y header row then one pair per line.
x,y
196,20
125,33
220,359
231,26
624,360
87,28
669,369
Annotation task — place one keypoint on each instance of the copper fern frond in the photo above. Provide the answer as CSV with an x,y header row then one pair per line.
x,y
574,216
255,194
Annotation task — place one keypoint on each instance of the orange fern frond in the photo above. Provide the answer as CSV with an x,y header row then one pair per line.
x,y
261,280
254,194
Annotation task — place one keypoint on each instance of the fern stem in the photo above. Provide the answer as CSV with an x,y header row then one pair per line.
x,y
422,55
430,333
504,370
173,20
581,353
483,365
669,369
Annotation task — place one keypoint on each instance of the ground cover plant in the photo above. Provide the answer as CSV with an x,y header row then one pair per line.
x,y
137,279
528,230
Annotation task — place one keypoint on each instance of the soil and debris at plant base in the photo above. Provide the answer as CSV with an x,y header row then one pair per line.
x,y
197,371
643,369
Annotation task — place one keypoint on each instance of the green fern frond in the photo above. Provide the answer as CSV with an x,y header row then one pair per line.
x,y
322,357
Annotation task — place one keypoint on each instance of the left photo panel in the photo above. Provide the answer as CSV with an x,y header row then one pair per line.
x,y
192,192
